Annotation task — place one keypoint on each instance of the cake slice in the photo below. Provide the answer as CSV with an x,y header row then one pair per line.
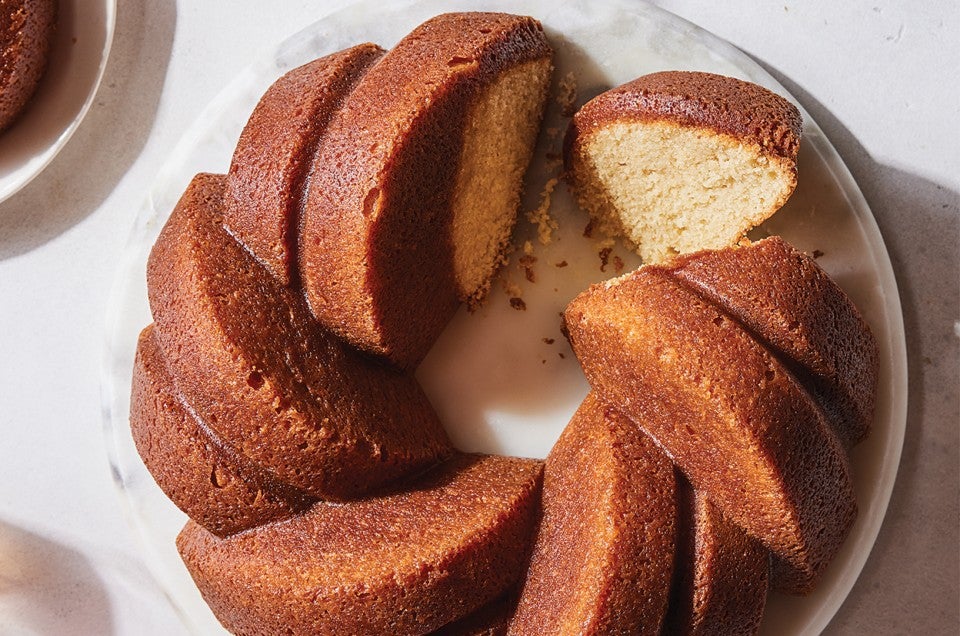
x,y
604,553
731,416
270,164
415,186
408,562
217,487
720,583
789,304
676,161
252,363
27,29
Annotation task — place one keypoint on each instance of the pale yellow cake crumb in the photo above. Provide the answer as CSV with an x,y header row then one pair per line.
x,y
541,216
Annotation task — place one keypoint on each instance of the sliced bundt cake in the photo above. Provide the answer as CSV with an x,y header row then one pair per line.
x,y
680,161
415,185
252,363
720,582
604,553
270,164
732,417
409,562
787,302
216,486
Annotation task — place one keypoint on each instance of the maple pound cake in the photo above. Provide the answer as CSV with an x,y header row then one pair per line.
x,y
604,553
415,185
270,164
27,29
679,161
212,483
408,562
251,362
729,413
720,582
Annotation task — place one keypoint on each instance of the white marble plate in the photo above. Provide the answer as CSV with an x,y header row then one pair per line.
x,y
505,381
77,62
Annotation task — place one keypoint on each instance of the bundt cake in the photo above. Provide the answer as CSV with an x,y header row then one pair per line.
x,y
731,415
407,562
414,189
253,365
370,193
270,164
676,161
26,35
604,553
216,486
720,582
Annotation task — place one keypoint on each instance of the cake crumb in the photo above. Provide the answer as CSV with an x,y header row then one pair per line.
x,y
518,304
561,264
567,94
588,230
604,255
541,216
817,253
544,361
510,288
528,248
617,264
548,341
526,263
562,357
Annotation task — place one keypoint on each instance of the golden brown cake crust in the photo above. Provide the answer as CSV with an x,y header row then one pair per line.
x,y
212,483
788,303
725,105
26,34
250,361
720,584
728,413
405,563
270,163
375,253
604,553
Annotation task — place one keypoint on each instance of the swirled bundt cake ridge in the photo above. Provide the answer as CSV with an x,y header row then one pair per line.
x,y
252,363
604,553
269,169
407,562
415,187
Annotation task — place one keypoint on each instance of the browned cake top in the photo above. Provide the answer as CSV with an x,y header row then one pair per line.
x,y
216,486
792,306
408,562
375,250
604,553
730,415
270,163
250,360
726,105
26,34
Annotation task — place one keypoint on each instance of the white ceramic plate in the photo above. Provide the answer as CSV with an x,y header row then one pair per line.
x,y
505,381
77,62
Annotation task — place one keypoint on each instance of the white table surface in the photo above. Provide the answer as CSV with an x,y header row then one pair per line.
x,y
880,77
